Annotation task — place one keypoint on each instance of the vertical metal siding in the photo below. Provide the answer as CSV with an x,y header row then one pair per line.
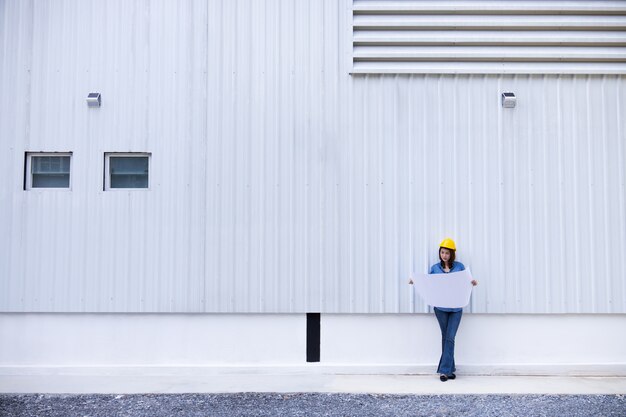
x,y
279,182
86,249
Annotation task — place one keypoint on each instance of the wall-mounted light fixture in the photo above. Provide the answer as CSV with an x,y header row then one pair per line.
x,y
508,100
93,100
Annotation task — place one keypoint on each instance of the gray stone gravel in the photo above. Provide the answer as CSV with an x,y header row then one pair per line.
x,y
309,404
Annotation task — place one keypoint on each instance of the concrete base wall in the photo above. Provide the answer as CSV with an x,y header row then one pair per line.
x,y
272,343
485,343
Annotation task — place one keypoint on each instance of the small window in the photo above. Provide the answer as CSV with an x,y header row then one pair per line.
x,y
126,171
48,170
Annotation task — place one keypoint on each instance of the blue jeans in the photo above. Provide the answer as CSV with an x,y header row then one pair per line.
x,y
448,323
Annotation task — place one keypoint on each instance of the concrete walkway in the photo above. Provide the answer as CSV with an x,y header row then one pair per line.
x,y
309,383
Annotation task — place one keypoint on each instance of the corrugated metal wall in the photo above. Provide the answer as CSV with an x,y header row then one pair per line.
x,y
280,182
520,37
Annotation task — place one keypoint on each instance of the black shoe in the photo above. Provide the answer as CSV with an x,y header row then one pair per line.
x,y
451,376
443,378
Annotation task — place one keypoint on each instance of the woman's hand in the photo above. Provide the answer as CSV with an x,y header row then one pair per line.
x,y
474,282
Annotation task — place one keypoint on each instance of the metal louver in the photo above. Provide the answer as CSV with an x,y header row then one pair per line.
x,y
524,37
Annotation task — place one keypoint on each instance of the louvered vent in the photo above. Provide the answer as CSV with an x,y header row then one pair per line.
x,y
523,37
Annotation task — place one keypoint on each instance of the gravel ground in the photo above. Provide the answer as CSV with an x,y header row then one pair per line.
x,y
361,405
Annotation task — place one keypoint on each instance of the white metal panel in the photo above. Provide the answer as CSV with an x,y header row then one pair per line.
x,y
478,37
496,53
517,68
280,183
523,37
492,6
488,21
90,250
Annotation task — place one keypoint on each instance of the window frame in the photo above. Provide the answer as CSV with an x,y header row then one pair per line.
x,y
28,175
107,173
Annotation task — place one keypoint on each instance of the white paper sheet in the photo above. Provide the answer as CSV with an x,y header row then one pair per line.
x,y
450,290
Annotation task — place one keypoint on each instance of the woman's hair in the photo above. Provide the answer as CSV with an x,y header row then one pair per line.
x,y
452,251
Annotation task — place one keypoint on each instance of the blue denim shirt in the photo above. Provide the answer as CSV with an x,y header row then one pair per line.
x,y
437,269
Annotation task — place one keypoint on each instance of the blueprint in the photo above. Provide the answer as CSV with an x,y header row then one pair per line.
x,y
450,290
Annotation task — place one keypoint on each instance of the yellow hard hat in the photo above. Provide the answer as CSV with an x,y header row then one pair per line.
x,y
448,244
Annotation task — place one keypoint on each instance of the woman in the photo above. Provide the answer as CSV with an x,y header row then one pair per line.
x,y
448,318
